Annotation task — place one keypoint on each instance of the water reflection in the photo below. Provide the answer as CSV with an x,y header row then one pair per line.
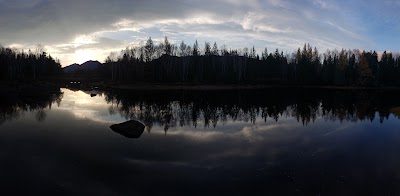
x,y
12,106
269,142
210,108
170,109
84,106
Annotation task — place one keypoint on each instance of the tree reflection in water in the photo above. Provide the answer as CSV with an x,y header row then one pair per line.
x,y
14,105
209,108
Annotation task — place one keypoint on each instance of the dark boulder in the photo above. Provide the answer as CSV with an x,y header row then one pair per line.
x,y
129,129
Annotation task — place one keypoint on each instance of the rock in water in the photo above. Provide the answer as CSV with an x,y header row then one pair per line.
x,y
129,129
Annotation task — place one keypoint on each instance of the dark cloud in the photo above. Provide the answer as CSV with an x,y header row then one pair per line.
x,y
111,24
102,43
54,21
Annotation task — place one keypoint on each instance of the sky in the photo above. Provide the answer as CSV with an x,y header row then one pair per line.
x,y
75,31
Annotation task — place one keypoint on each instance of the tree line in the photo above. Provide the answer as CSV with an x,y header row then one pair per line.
x,y
182,63
18,65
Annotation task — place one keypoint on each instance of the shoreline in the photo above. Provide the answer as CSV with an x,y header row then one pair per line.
x,y
16,86
150,87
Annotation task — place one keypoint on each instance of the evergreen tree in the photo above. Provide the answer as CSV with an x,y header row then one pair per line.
x,y
149,50
167,47
253,53
207,49
364,70
182,49
196,51
215,50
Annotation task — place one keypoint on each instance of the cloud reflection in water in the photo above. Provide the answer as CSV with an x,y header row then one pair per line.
x,y
82,105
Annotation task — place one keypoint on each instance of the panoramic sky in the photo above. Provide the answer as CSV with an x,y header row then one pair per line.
x,y
75,31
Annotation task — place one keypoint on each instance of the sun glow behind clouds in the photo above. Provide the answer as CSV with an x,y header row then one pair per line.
x,y
82,56
83,39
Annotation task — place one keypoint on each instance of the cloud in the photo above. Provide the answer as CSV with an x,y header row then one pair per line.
x,y
94,47
102,43
323,4
52,21
69,25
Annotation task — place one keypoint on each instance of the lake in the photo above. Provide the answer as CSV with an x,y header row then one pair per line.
x,y
277,141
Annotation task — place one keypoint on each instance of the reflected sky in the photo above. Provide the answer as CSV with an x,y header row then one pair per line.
x,y
73,151
83,105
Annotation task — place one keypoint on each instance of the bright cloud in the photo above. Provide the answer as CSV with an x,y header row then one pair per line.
x,y
76,31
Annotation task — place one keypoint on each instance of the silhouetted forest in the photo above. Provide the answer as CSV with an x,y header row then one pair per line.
x,y
190,108
21,66
169,63
185,64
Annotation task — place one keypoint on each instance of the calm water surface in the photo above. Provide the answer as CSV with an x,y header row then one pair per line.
x,y
276,141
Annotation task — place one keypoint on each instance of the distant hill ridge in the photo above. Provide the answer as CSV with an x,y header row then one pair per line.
x,y
88,65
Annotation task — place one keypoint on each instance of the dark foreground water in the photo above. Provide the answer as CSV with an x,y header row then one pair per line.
x,y
264,142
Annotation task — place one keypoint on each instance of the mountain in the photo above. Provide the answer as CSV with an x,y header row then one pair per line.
x,y
88,65
71,68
